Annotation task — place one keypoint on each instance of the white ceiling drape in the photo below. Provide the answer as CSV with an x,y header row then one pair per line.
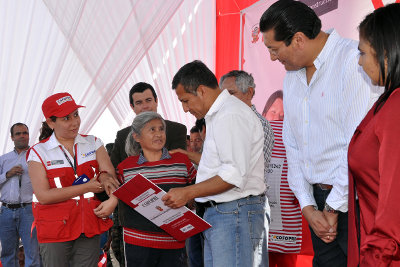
x,y
97,50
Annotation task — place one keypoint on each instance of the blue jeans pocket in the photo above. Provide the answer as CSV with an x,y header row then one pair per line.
x,y
226,208
256,227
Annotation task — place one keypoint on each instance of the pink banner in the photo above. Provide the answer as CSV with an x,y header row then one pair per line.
x,y
343,15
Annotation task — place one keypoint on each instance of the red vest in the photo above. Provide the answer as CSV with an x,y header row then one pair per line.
x,y
67,220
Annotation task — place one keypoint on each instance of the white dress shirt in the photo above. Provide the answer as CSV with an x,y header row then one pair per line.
x,y
320,119
233,149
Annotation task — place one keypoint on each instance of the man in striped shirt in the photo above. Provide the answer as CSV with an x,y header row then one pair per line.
x,y
241,84
326,96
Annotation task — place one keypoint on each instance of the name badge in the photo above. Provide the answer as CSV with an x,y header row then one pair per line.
x,y
81,180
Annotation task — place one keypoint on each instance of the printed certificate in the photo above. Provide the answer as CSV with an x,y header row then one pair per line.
x,y
145,197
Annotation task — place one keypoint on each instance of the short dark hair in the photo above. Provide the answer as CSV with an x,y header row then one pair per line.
x,y
287,17
194,129
194,74
275,95
17,124
381,29
140,88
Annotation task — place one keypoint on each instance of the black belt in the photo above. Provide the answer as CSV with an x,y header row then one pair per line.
x,y
16,206
211,203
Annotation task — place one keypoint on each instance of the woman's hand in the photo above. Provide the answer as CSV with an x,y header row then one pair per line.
x,y
94,186
106,208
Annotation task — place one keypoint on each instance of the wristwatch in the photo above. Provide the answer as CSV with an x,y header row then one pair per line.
x,y
330,209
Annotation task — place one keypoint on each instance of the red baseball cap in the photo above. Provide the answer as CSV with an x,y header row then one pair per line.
x,y
59,105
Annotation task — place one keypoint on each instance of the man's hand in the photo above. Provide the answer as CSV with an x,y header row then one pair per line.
x,y
176,197
16,170
109,183
332,219
319,224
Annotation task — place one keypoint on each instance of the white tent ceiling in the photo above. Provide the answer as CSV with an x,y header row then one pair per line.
x,y
96,50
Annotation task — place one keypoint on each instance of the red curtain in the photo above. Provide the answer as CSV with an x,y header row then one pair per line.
x,y
228,34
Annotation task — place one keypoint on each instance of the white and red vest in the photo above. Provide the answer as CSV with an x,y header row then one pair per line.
x,y
67,220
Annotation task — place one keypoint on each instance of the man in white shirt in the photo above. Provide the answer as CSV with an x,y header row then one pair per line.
x,y
241,84
230,178
326,96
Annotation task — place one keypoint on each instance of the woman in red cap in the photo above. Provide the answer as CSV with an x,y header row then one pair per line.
x,y
64,168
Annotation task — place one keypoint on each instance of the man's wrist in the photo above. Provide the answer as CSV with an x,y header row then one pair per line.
x,y
330,209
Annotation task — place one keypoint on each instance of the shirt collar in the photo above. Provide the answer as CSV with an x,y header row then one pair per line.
x,y
164,155
24,151
325,53
53,142
218,103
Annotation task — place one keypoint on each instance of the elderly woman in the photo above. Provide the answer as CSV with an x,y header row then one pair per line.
x,y
63,168
145,243
374,152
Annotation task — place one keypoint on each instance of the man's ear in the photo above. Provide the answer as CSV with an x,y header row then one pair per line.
x,y
299,39
201,90
132,108
250,93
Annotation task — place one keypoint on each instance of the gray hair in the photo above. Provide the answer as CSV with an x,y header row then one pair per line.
x,y
133,148
243,80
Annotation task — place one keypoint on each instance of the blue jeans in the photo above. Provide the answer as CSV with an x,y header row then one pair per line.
x,y
16,223
238,233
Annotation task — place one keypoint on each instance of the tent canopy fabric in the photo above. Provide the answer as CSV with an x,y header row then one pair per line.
x,y
96,50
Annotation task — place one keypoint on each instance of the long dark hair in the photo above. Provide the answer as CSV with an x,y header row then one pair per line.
x,y
46,131
381,29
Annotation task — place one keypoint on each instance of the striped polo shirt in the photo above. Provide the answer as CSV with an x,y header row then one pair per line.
x,y
171,169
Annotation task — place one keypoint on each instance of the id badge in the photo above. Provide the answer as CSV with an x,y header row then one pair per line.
x,y
81,180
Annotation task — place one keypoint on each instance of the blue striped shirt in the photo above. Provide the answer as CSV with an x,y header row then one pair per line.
x,y
320,119
10,191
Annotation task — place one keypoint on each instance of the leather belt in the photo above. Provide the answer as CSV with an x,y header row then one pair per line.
x,y
324,186
212,203
16,206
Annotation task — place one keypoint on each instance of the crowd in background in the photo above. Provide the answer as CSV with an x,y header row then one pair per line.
x,y
319,164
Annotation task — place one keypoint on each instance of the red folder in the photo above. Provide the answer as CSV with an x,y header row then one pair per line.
x,y
145,197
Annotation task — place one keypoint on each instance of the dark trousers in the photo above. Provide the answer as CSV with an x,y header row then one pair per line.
x,y
137,256
333,254
194,247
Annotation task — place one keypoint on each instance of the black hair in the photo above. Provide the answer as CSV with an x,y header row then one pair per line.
x,y
45,130
200,124
381,29
288,17
140,88
194,129
275,95
194,74
109,148
17,124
